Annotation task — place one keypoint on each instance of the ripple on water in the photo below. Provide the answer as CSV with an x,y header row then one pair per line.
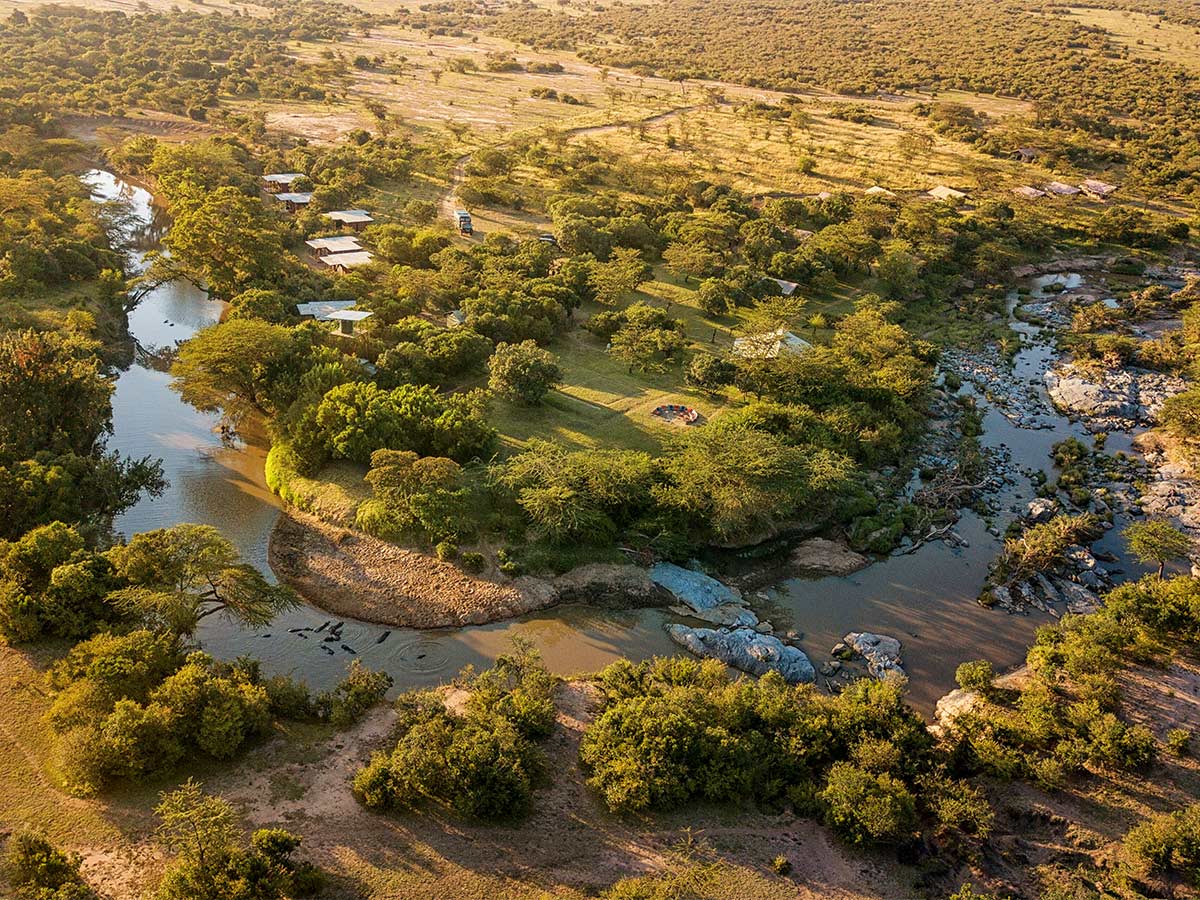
x,y
424,655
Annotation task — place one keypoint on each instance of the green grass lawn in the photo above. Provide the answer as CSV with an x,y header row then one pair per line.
x,y
600,402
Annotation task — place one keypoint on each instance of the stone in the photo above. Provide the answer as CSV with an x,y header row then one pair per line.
x,y
841,651
954,704
704,596
746,650
1080,601
1081,558
1040,509
1049,591
764,628
831,668
881,652
826,557
1116,400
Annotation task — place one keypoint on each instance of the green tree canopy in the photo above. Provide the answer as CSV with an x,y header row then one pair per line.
x,y
522,372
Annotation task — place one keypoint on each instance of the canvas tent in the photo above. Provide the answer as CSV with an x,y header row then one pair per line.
x,y
294,201
355,218
941,192
770,345
340,244
347,317
343,262
321,310
277,181
1097,188
1063,190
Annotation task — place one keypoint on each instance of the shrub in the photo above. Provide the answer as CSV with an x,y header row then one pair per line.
x,y
40,871
680,730
354,695
212,860
128,707
473,562
1179,741
708,372
523,372
446,551
975,676
482,764
1167,844
867,808
288,698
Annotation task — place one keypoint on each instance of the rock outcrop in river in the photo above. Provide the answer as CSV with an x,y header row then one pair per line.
x,y
881,652
703,596
825,557
1111,400
746,650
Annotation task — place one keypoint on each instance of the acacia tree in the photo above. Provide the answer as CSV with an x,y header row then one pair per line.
x,y
691,260
773,313
1157,541
735,479
211,863
233,367
182,575
226,242
621,275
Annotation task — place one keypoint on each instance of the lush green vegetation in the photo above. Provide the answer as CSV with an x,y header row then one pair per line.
x,y
483,762
40,871
675,731
212,859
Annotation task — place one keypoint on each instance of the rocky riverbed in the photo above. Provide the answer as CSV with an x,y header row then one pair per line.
x,y
1108,400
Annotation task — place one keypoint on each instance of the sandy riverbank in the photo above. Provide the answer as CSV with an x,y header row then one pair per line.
x,y
352,574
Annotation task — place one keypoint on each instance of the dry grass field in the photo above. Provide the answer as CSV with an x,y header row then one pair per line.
x,y
1146,37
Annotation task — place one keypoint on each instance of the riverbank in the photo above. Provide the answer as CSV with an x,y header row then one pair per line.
x,y
349,573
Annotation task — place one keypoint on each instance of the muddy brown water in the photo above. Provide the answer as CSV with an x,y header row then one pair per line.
x,y
927,598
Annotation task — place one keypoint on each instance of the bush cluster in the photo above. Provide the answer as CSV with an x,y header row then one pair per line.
x,y
483,761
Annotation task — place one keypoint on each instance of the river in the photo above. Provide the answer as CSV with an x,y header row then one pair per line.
x,y
926,598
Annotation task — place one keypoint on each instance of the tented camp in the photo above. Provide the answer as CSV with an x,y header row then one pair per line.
x,y
877,191
279,181
294,201
1062,190
1096,188
347,317
770,345
1029,193
344,262
787,288
355,218
946,194
327,245
340,311
321,310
